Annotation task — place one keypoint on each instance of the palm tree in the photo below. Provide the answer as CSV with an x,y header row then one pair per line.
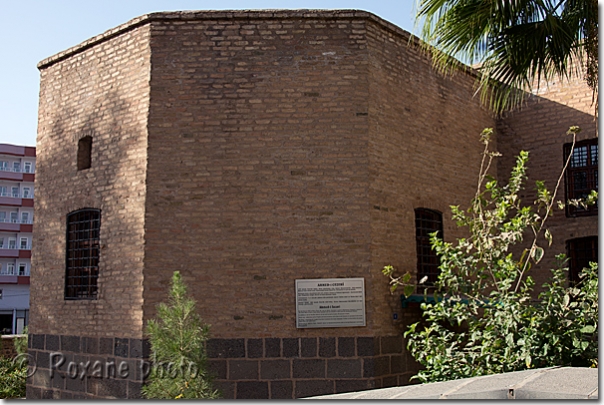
x,y
515,43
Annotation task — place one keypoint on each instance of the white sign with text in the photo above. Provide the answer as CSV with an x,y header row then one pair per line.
x,y
330,302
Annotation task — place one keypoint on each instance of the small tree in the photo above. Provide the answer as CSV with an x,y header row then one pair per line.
x,y
178,356
483,319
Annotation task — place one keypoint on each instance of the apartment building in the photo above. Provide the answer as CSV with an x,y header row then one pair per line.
x,y
17,167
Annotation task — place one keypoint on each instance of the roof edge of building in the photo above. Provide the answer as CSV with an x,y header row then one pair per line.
x,y
230,14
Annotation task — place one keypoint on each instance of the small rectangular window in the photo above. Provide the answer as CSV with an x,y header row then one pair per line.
x,y
27,167
3,165
23,243
2,216
10,269
3,191
84,159
1,242
14,216
15,192
27,192
25,217
0,294
16,167
12,243
22,269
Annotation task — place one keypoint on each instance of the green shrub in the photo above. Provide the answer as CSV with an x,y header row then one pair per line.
x,y
484,319
178,357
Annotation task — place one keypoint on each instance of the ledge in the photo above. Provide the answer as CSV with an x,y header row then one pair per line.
x,y
234,15
544,383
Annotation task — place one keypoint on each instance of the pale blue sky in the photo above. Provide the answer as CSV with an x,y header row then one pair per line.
x,y
33,30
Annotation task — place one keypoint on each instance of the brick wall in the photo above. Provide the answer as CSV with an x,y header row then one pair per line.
x,y
99,90
540,127
424,152
7,347
258,166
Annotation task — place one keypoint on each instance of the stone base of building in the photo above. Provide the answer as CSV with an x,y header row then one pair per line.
x,y
264,368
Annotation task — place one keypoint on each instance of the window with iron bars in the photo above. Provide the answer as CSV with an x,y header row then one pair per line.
x,y
581,175
426,222
82,254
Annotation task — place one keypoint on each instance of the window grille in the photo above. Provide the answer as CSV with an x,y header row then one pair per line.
x,y
581,175
82,258
426,222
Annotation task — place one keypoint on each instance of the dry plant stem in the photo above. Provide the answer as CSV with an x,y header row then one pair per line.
x,y
536,232
482,175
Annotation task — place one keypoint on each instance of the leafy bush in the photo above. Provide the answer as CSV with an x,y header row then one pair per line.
x,y
178,358
20,342
13,372
483,319
12,378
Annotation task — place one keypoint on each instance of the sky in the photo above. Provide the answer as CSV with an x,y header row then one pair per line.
x,y
34,30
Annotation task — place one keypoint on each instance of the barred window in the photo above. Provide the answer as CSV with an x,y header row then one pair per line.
x,y
581,175
82,258
426,222
580,252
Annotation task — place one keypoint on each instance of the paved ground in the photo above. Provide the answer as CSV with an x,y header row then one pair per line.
x,y
545,383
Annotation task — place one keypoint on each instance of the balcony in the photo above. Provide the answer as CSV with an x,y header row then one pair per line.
x,y
8,173
6,279
16,200
16,252
16,225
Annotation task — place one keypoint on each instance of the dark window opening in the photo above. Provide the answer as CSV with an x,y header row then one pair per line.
x,y
426,222
581,175
580,252
82,258
84,153
6,323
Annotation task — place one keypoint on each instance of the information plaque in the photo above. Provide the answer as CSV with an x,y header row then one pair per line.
x,y
330,303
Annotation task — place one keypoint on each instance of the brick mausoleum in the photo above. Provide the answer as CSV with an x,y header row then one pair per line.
x,y
248,150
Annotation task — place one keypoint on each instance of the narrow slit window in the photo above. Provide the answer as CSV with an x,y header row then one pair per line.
x,y
85,153
82,254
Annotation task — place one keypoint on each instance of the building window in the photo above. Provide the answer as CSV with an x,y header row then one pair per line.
x,y
82,258
15,192
581,175
23,243
580,252
26,192
12,243
22,269
3,165
1,243
25,217
14,216
10,269
16,167
0,294
3,191
27,167
426,222
84,153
